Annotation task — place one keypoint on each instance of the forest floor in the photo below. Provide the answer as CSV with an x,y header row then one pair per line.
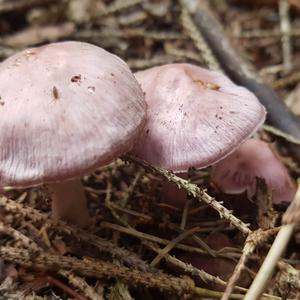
x,y
140,244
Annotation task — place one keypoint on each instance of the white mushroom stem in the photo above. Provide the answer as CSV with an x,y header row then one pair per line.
x,y
69,202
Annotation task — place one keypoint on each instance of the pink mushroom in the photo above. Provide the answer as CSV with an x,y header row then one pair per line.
x,y
195,116
66,109
254,158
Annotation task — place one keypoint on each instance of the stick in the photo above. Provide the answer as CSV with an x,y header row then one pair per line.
x,y
196,192
290,219
258,285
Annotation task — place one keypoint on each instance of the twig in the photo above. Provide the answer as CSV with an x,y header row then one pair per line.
x,y
37,35
98,269
286,81
103,245
198,39
119,291
285,26
108,204
254,34
8,6
206,277
245,75
182,53
196,192
200,273
290,218
288,277
288,137
171,245
75,280
265,272
253,240
292,214
159,59
127,33
81,284
149,237
53,281
185,214
118,6
19,236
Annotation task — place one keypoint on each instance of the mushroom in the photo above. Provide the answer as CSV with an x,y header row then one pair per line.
x,y
66,109
237,172
195,116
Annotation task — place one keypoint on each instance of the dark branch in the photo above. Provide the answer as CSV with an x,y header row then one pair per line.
x,y
244,74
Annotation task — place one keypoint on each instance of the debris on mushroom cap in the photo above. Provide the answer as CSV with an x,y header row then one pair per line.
x,y
195,116
66,108
254,158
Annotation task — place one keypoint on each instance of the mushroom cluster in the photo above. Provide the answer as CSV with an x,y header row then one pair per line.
x,y
66,109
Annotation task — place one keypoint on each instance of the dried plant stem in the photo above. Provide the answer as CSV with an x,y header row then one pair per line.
x,y
182,53
81,284
285,26
254,239
73,279
119,291
248,249
199,41
288,137
292,214
158,59
128,33
149,237
267,268
103,245
19,236
196,192
8,6
158,240
286,81
98,269
189,268
118,6
261,33
203,275
171,245
69,291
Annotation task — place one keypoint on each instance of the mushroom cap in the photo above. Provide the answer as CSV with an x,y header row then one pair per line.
x,y
237,172
195,116
66,108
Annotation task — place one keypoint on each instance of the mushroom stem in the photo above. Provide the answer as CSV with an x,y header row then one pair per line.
x,y
69,202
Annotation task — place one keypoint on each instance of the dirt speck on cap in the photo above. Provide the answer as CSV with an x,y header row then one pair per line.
x,y
76,78
55,92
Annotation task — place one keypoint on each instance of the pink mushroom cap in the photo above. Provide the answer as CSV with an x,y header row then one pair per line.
x,y
254,158
195,116
66,108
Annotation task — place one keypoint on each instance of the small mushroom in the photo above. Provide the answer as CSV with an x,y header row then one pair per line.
x,y
67,108
237,172
195,116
